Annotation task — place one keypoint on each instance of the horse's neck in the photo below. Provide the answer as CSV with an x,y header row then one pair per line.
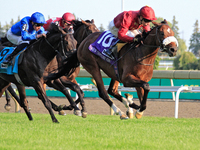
x,y
41,51
80,34
148,51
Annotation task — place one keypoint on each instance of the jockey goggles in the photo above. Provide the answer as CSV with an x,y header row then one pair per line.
x,y
38,24
146,20
67,23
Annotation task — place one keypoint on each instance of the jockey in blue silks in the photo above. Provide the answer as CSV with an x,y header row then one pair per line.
x,y
27,29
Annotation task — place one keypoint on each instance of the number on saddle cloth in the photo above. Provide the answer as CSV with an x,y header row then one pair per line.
x,y
9,69
103,42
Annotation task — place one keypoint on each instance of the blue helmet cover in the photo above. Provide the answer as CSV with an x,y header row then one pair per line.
x,y
38,17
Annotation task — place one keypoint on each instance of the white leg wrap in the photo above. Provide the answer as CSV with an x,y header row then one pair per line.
x,y
125,102
116,109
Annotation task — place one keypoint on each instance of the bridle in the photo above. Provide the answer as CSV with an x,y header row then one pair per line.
x,y
86,31
164,43
161,45
63,48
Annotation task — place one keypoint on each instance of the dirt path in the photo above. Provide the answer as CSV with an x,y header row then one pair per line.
x,y
187,109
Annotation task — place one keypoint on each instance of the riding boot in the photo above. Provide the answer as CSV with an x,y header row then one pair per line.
x,y
110,50
16,51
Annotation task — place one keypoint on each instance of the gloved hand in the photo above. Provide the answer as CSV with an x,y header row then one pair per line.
x,y
138,38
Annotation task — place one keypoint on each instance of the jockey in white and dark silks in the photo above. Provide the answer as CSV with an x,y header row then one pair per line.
x,y
27,29
65,21
129,25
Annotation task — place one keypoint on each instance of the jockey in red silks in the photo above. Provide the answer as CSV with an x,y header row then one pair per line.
x,y
129,25
27,29
65,21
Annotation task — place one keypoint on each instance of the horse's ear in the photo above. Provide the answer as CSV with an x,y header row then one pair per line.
x,y
92,21
165,21
87,24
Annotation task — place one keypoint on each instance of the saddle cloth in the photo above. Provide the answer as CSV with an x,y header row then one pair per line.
x,y
103,42
10,69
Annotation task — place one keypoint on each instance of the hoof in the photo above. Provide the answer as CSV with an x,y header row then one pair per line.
x,y
123,117
60,107
138,114
62,113
77,113
84,114
7,107
129,114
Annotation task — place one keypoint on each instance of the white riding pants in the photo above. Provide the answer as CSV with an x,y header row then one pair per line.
x,y
114,30
14,38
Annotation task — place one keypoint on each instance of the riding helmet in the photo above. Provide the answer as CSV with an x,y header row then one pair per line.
x,y
38,18
147,13
68,17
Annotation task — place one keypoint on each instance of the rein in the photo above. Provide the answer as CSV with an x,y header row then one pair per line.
x,y
134,44
55,49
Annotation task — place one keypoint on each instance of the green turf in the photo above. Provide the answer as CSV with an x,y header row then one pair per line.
x,y
97,132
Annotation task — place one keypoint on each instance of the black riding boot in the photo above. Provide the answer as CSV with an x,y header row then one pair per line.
x,y
16,51
112,49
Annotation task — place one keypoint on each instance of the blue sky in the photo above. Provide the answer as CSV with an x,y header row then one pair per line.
x,y
103,11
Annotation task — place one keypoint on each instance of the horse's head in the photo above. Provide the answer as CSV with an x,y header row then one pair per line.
x,y
83,28
168,43
90,25
61,40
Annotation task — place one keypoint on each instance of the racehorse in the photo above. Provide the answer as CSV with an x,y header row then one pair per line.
x,y
30,70
135,64
82,30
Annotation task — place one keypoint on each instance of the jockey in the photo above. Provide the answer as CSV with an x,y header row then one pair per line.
x,y
128,24
65,21
27,29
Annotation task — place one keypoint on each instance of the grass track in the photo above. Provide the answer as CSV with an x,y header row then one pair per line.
x,y
97,132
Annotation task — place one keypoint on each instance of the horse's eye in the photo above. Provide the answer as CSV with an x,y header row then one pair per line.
x,y
162,34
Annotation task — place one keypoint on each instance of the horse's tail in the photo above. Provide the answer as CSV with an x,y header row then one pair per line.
x,y
70,64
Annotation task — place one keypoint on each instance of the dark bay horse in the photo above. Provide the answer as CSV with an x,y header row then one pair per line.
x,y
135,66
30,71
82,30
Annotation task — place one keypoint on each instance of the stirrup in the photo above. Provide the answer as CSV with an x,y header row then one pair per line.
x,y
109,54
4,65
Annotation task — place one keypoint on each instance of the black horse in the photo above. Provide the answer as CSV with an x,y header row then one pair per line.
x,y
82,30
30,70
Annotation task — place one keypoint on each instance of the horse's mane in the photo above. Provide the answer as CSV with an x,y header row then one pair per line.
x,y
53,28
78,23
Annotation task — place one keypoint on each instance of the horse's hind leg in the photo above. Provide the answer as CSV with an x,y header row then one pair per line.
x,y
23,102
7,105
15,97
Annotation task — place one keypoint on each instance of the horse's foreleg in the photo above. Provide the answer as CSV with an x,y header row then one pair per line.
x,y
103,94
142,93
113,90
42,95
74,87
59,86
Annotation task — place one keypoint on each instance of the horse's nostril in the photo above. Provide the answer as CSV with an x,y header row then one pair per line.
x,y
172,49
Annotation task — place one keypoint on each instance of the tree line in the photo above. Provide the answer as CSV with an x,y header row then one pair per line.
x,y
187,57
